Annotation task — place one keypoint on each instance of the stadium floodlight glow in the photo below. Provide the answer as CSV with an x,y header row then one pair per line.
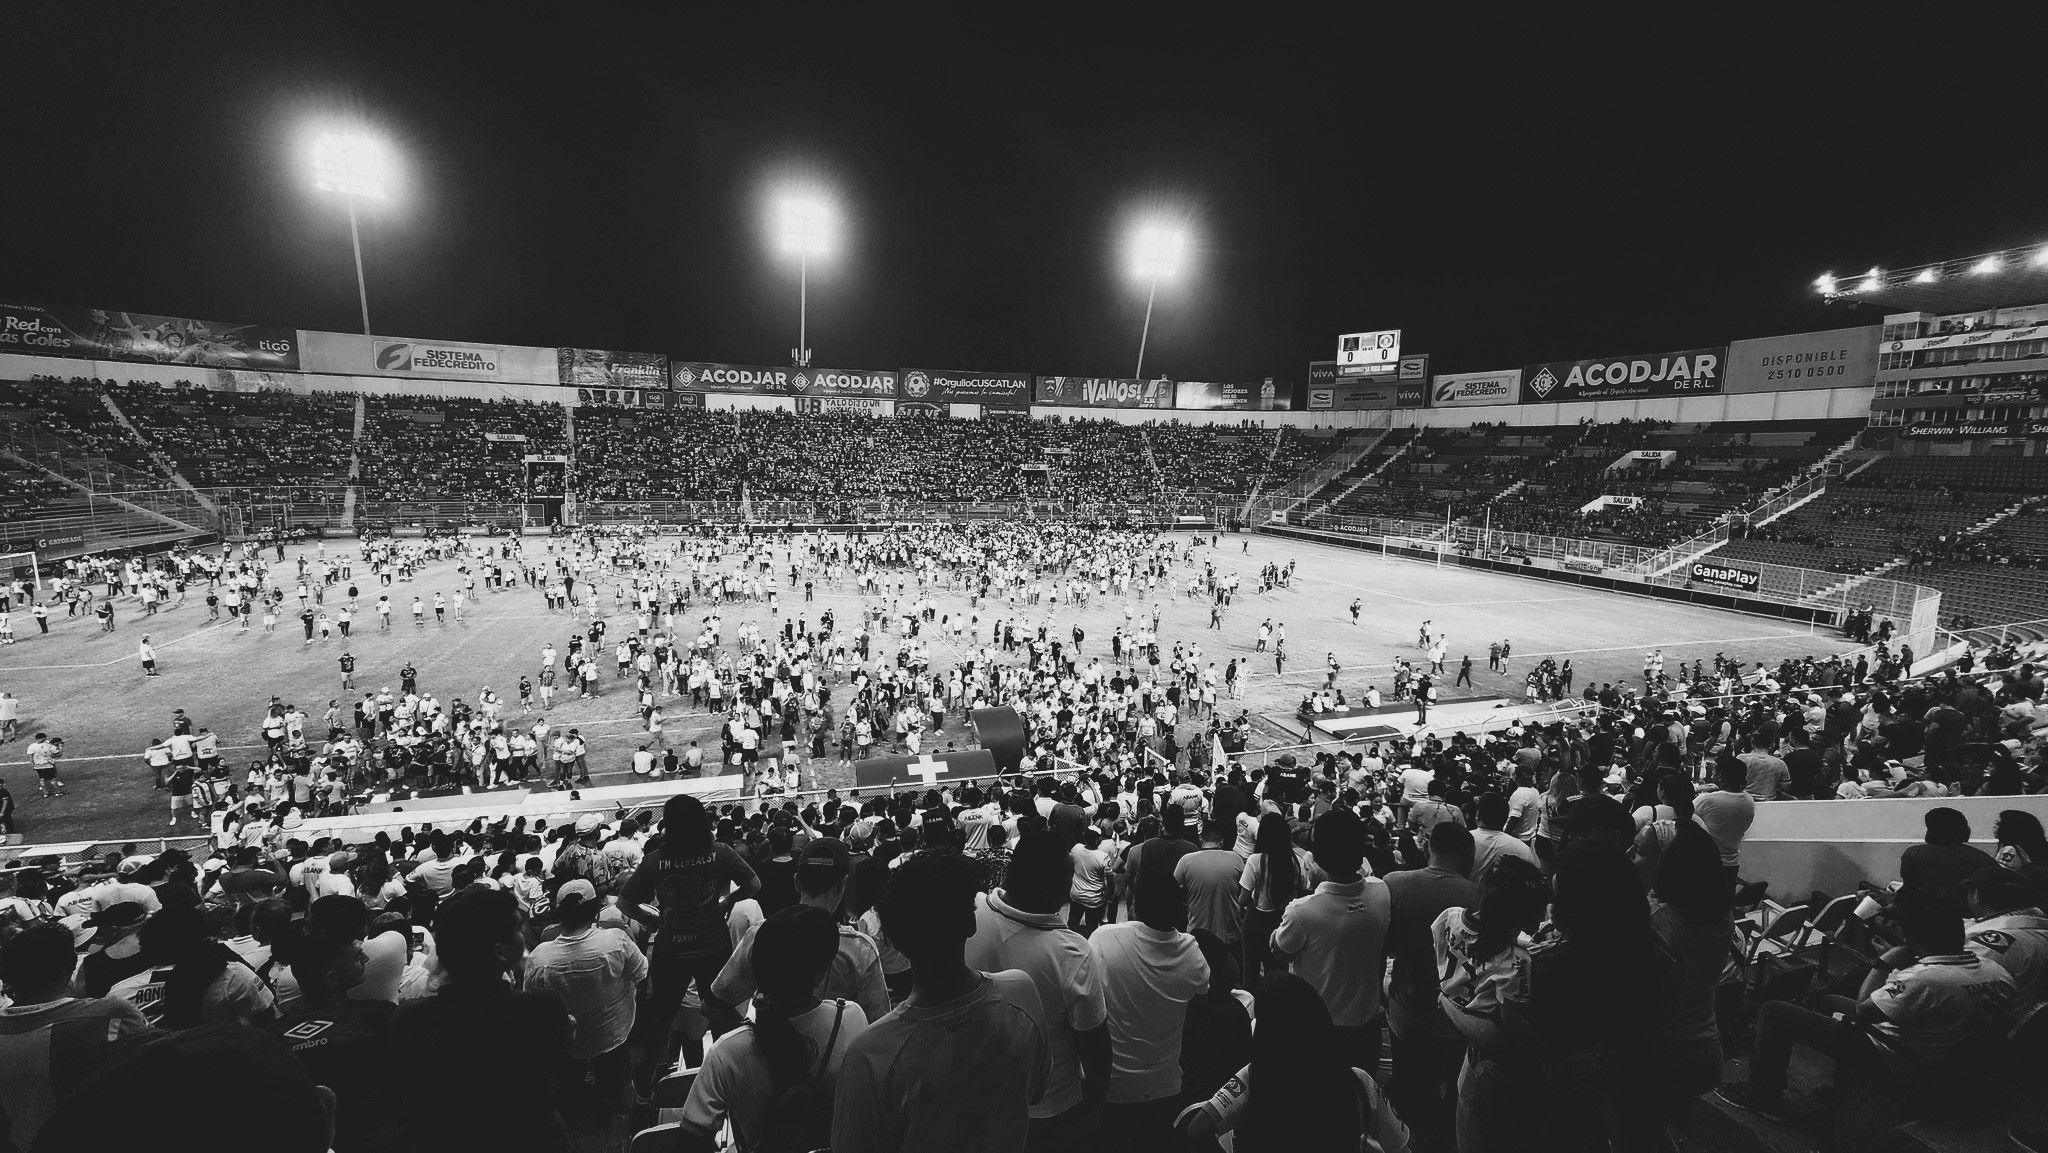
x,y
356,165
1927,276
807,227
1156,250
1825,284
2041,257
1986,266
1872,281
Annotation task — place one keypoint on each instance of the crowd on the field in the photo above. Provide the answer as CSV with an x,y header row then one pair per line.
x,y
1074,956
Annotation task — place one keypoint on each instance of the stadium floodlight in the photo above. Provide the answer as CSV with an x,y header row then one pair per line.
x,y
806,226
1927,276
2041,257
1825,284
1156,250
356,165
1872,281
1986,266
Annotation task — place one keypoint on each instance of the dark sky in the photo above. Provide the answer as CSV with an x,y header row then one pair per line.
x,y
589,175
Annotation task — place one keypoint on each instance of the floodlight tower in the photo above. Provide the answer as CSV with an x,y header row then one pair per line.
x,y
1156,250
806,226
355,165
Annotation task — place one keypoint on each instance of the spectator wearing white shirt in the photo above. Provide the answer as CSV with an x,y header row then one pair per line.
x,y
1150,971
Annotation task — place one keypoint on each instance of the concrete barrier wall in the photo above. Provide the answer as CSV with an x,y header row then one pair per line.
x,y
1832,846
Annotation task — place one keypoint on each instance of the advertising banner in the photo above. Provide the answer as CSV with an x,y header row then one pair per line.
x,y
1742,580
1694,372
863,405
763,380
1975,428
988,389
634,398
506,437
601,368
1965,339
1234,394
927,771
1322,373
1838,358
685,399
1468,389
922,408
354,354
1105,392
1356,394
96,334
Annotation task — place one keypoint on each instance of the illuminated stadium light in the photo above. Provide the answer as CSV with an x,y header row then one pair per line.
x,y
1927,276
2041,257
357,165
1872,281
806,226
351,163
1156,250
1986,266
1825,284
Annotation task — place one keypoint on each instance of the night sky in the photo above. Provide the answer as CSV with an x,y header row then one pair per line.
x,y
595,176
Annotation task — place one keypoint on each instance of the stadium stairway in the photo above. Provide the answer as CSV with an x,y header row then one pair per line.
x,y
355,465
1355,446
170,467
1354,479
1841,589
1151,460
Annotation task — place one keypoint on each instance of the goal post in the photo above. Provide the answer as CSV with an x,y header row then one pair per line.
x,y
21,566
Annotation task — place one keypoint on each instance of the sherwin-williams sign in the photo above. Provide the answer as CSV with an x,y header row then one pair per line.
x,y
1837,358
763,380
96,334
1694,372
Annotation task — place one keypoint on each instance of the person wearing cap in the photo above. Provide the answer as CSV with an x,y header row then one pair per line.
x,y
599,973
1336,937
115,950
856,972
47,1034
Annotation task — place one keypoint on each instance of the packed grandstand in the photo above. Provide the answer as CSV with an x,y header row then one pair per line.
x,y
941,868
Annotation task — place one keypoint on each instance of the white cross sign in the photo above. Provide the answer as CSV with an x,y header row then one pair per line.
x,y
926,769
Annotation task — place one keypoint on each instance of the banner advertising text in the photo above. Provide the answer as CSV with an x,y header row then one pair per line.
x,y
1975,428
988,389
1470,389
1355,394
762,380
1694,372
1104,392
1231,394
602,368
96,334
862,405
1742,580
1838,358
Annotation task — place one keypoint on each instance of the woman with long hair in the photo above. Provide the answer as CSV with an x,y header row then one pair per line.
x,y
1564,788
1658,824
1272,878
1690,924
693,883
1298,1094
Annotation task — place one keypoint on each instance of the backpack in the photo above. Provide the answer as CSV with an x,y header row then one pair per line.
x,y
800,1120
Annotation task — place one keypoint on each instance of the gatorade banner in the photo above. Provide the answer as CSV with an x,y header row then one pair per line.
x,y
95,334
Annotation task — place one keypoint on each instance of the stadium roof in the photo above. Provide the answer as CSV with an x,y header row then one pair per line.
x,y
2001,279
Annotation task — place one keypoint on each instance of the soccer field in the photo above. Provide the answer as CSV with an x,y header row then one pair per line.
x,y
88,687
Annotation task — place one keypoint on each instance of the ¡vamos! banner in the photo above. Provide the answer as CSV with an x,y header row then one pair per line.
x,y
1104,392
96,334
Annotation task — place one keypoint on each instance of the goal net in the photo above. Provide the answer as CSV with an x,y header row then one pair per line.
x,y
21,566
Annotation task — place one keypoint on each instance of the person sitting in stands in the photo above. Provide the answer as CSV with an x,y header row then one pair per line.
x,y
1925,1008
